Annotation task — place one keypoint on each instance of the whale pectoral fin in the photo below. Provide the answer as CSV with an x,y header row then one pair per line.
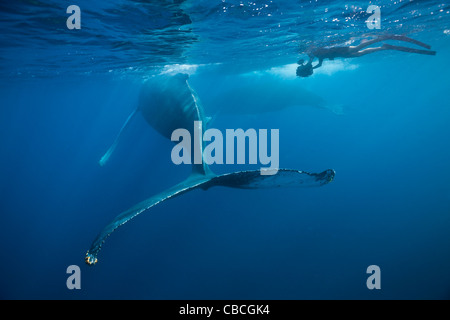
x,y
124,217
111,149
283,178
242,179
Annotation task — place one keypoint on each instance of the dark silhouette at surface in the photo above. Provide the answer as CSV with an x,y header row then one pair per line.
x,y
307,69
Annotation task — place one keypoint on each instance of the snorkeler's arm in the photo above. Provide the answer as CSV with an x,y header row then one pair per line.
x,y
318,65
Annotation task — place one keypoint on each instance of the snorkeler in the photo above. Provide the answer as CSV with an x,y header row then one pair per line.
x,y
305,70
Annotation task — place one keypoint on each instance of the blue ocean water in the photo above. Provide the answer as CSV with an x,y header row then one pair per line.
x,y
383,126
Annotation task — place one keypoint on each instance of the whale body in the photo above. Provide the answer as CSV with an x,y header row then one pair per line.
x,y
168,103
255,94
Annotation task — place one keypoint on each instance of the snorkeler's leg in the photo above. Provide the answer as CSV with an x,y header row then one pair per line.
x,y
389,37
366,43
391,47
367,51
410,50
406,39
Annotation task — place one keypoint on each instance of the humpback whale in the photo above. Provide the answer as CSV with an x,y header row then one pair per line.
x,y
248,94
168,103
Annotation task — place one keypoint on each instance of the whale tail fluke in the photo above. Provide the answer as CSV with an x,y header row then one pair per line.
x,y
111,149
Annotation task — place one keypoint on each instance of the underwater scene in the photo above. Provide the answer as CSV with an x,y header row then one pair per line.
x,y
225,149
